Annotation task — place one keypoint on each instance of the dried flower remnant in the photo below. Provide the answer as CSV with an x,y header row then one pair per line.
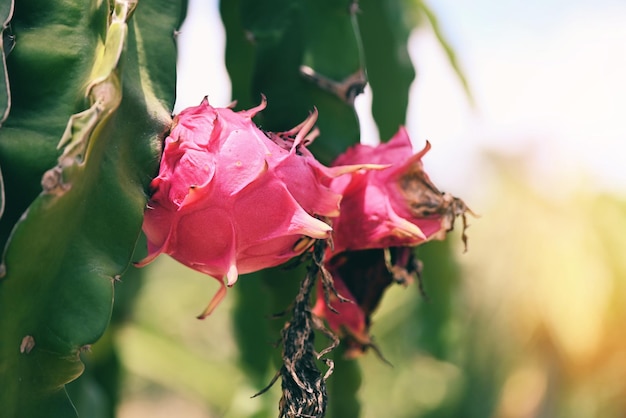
x,y
383,215
303,385
362,277
230,200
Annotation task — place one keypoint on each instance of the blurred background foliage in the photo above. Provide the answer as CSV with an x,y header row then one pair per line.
x,y
528,323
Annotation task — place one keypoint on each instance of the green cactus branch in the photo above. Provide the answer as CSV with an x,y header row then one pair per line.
x,y
6,44
48,343
426,11
301,53
74,240
385,34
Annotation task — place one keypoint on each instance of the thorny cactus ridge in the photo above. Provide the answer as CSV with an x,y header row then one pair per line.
x,y
67,241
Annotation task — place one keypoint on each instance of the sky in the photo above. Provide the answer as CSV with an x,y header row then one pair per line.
x,y
547,78
548,82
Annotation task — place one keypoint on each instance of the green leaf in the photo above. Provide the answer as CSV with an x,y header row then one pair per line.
x,y
425,11
6,44
275,39
47,79
251,318
156,23
65,253
343,386
441,276
385,31
261,309
239,54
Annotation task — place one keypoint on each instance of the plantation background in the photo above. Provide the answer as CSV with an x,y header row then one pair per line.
x,y
523,104
528,323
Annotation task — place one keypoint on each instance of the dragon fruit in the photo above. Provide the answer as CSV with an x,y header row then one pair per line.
x,y
396,206
231,199
383,214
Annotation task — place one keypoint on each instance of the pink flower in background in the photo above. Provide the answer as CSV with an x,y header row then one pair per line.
x,y
229,200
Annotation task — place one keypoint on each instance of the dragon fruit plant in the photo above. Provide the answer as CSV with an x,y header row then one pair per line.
x,y
90,154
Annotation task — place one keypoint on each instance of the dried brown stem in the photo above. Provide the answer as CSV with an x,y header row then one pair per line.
x,y
303,385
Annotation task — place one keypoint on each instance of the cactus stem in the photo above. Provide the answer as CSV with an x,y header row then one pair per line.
x,y
346,90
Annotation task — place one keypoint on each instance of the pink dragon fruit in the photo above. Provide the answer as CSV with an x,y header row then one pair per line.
x,y
383,214
229,200
397,206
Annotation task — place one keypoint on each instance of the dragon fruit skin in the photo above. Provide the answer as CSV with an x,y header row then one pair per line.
x,y
230,200
395,206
